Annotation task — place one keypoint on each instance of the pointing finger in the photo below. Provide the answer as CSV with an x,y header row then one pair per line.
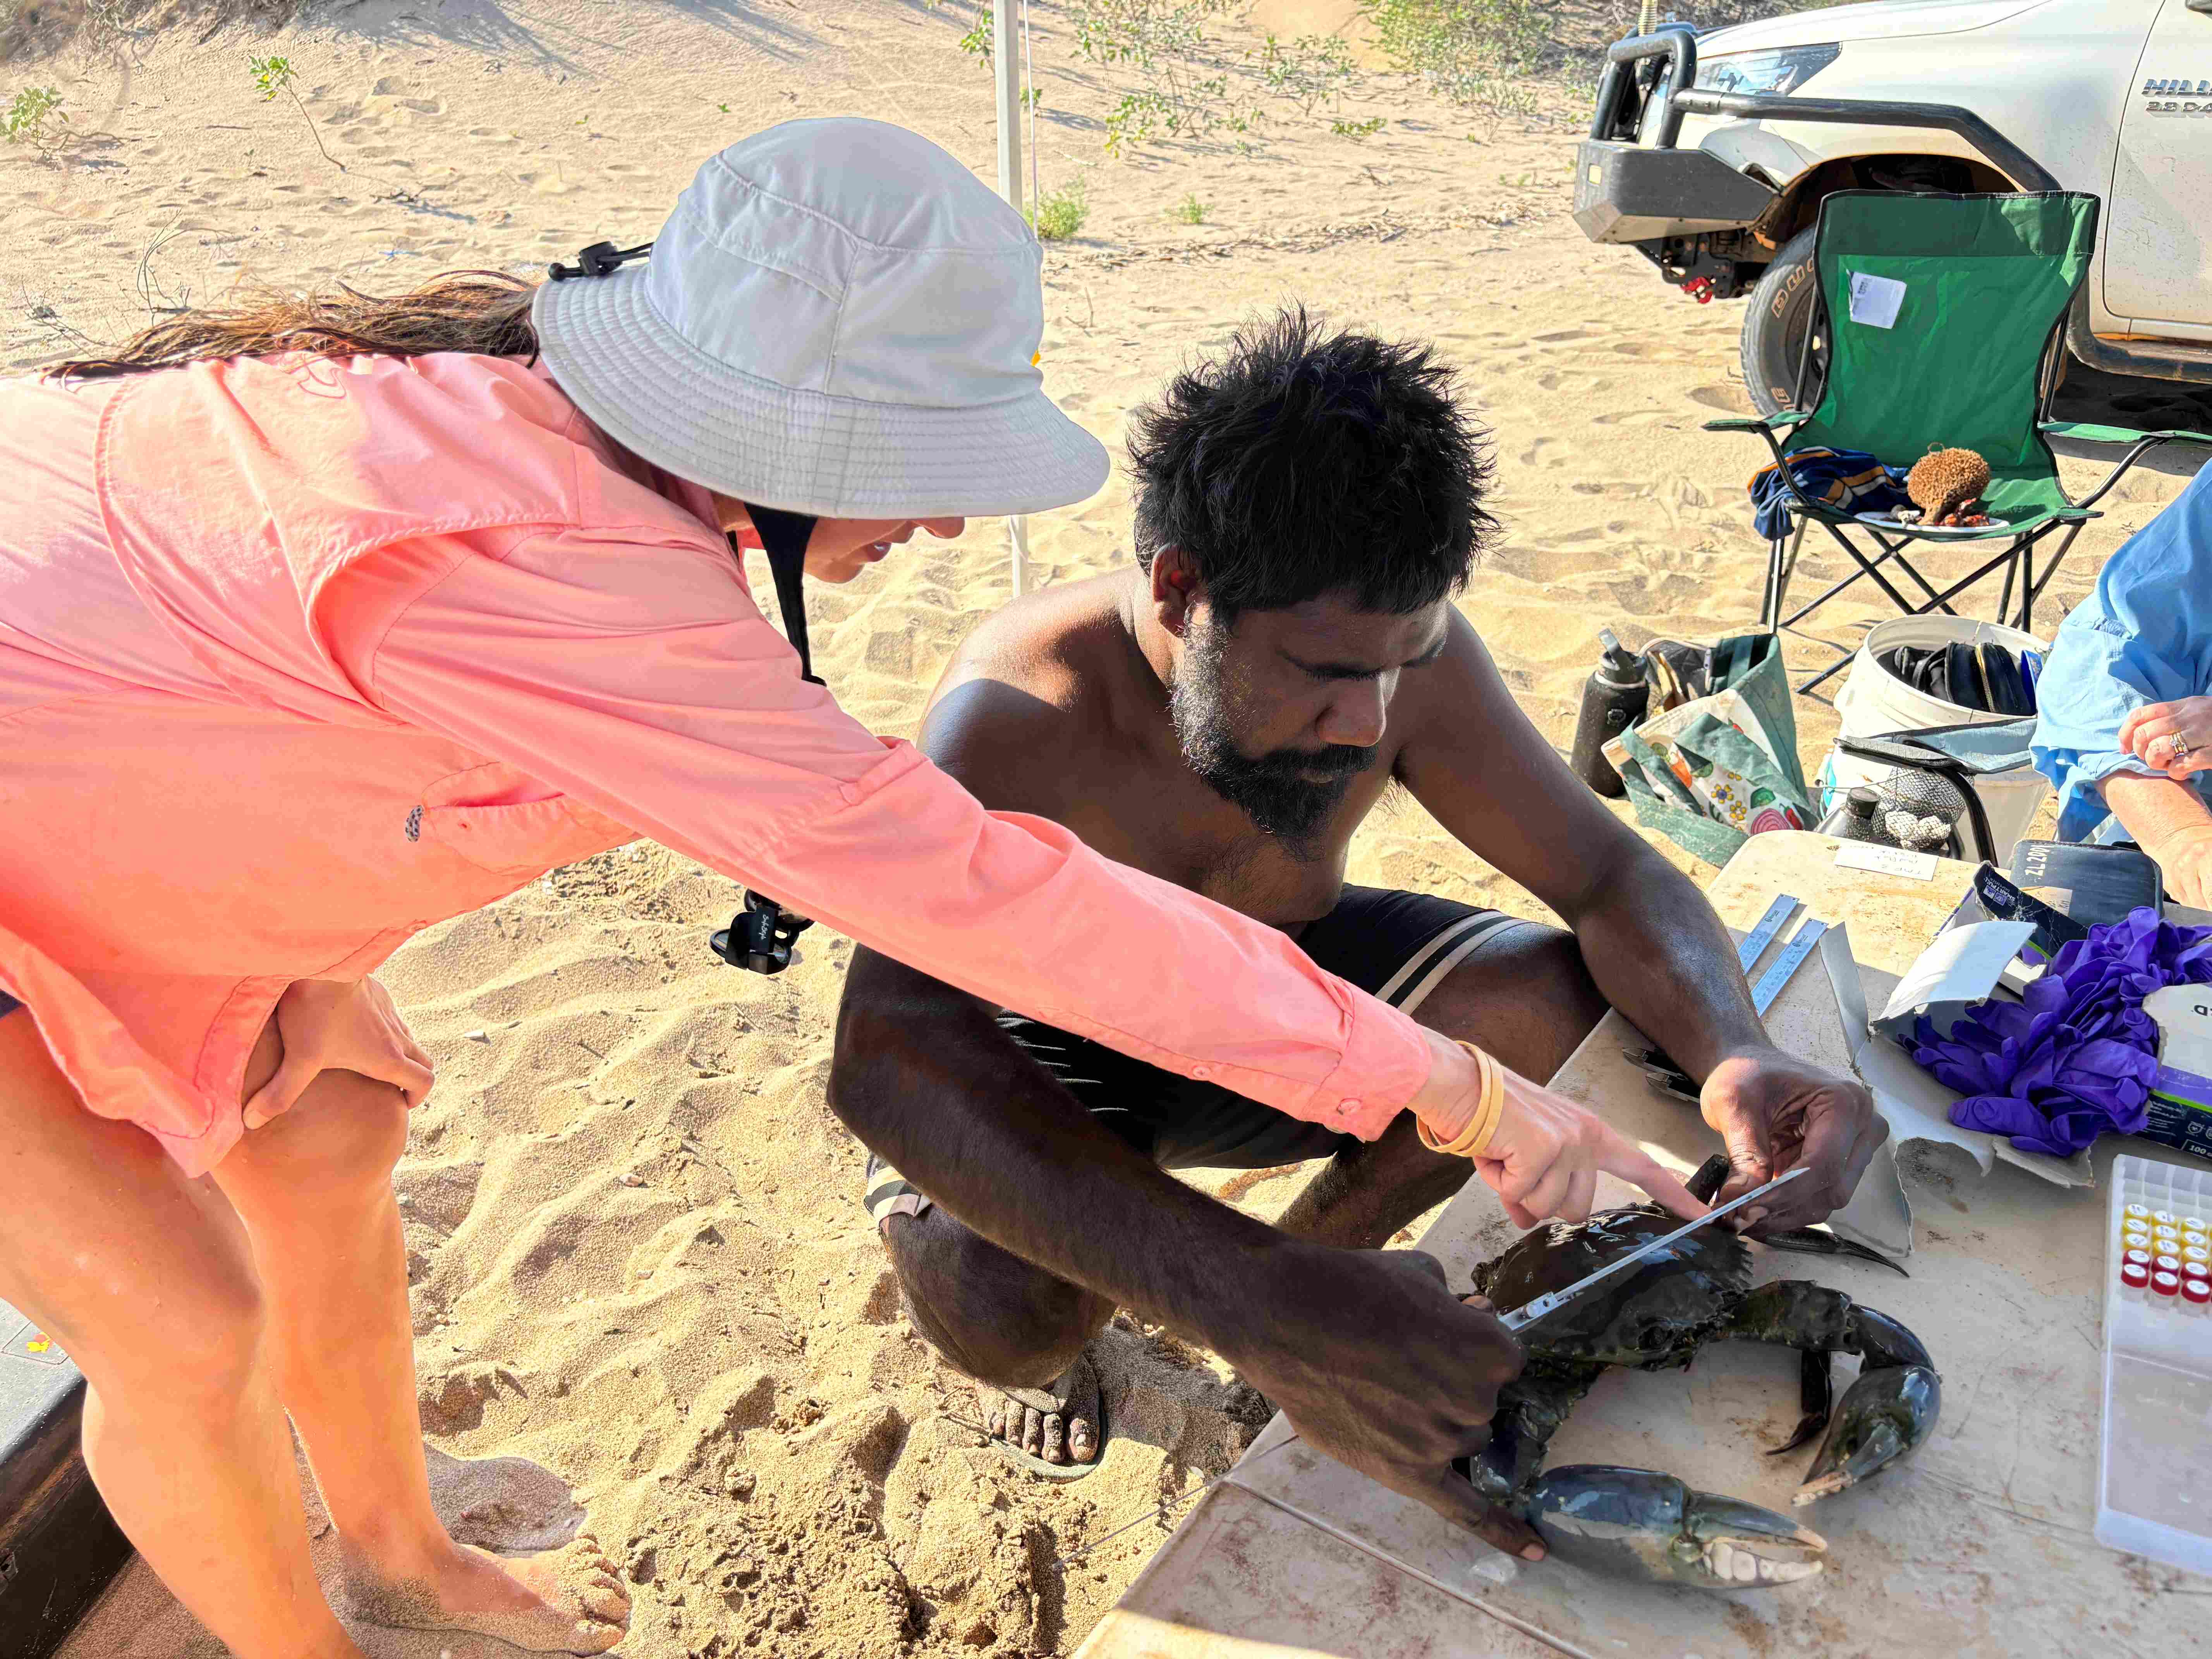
x,y
1619,1155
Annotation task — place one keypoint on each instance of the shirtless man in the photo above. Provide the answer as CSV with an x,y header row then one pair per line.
x,y
1224,714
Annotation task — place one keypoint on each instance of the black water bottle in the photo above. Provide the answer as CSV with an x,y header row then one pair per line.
x,y
1855,818
1614,701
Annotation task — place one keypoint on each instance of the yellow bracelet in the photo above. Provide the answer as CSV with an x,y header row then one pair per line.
x,y
1474,1140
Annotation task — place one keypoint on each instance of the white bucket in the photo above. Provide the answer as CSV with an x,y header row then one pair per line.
x,y
1873,703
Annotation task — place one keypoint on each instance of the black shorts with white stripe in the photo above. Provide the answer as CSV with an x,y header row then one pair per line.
x,y
1401,946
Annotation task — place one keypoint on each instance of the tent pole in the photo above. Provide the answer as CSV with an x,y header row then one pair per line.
x,y
1006,60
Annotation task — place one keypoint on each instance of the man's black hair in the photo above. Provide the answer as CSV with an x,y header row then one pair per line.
x,y
1302,462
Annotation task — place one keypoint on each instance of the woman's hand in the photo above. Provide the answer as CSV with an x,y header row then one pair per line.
x,y
2185,862
1544,1156
2176,738
339,1025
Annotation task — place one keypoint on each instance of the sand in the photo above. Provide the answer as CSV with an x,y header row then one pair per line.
x,y
637,1246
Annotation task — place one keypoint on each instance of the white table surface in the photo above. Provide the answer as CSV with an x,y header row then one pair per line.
x,y
1979,1544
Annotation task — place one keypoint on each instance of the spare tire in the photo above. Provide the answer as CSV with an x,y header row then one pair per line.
x,y
1774,327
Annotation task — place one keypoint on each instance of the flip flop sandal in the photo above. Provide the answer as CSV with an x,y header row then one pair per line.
x,y
1041,1399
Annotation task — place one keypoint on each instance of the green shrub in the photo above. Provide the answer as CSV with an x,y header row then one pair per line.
x,y
33,117
1187,84
1189,210
1358,130
1165,42
274,74
1311,71
1460,47
1061,214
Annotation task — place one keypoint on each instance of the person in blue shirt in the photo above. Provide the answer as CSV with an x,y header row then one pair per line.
x,y
2126,724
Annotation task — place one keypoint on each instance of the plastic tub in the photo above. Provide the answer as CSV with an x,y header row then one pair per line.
x,y
1875,703
2154,1476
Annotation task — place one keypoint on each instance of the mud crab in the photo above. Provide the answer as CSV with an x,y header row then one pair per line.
x,y
1639,1523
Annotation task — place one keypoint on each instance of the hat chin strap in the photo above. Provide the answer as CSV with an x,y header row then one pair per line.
x,y
760,936
783,537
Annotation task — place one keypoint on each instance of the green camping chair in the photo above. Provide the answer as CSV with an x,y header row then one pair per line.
x,y
1964,355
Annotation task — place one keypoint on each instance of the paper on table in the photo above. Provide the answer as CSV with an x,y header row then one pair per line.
x,y
1886,861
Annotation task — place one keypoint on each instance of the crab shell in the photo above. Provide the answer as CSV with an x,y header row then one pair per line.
x,y
1654,1314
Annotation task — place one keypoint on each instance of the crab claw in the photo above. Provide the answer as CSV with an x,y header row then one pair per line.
x,y
1637,1523
1886,1413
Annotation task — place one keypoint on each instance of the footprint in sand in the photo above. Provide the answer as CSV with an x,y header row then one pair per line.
x,y
1611,529
1728,399
509,1504
1546,452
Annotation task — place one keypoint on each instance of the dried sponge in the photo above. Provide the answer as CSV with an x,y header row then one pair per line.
x,y
1946,480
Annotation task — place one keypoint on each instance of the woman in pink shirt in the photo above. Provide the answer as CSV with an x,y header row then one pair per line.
x,y
323,622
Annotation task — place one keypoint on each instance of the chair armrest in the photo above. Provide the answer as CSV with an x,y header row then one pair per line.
x,y
1762,422
2141,444
2087,432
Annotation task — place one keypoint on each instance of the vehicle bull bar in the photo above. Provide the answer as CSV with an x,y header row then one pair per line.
x,y
1618,120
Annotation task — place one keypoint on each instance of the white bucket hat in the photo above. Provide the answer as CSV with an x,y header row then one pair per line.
x,y
839,318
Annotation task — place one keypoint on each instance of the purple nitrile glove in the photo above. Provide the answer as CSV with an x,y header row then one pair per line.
x,y
2075,1057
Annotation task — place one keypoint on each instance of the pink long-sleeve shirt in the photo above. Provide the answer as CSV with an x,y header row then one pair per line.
x,y
299,656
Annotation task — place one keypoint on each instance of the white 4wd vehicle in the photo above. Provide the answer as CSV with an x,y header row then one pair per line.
x,y
1710,154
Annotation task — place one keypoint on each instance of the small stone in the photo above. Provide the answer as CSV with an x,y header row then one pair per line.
x,y
628,1179
742,1484
478,1036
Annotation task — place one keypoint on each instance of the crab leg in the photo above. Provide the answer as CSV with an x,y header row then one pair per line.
x,y
1712,1175
1884,1414
1816,1398
1530,1409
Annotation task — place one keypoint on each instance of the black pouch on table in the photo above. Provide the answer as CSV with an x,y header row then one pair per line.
x,y
1993,898
2093,885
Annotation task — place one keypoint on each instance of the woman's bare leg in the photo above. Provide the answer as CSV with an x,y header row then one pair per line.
x,y
146,1279
314,1190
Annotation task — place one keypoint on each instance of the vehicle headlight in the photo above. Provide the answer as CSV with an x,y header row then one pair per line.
x,y
1782,70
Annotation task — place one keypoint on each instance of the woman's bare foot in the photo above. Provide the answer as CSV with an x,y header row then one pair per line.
x,y
566,1601
1059,1423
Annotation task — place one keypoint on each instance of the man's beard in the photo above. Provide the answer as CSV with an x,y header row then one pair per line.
x,y
1288,794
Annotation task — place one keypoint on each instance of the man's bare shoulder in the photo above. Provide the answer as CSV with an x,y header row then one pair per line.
x,y
1041,678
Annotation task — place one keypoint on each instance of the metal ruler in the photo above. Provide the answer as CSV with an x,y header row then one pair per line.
x,y
1529,1312
1655,1064
1756,941
1791,959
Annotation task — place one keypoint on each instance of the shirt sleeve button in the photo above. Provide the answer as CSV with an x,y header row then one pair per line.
x,y
1346,1106
1202,1073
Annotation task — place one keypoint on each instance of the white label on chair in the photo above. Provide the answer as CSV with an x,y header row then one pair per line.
x,y
1886,861
1874,300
